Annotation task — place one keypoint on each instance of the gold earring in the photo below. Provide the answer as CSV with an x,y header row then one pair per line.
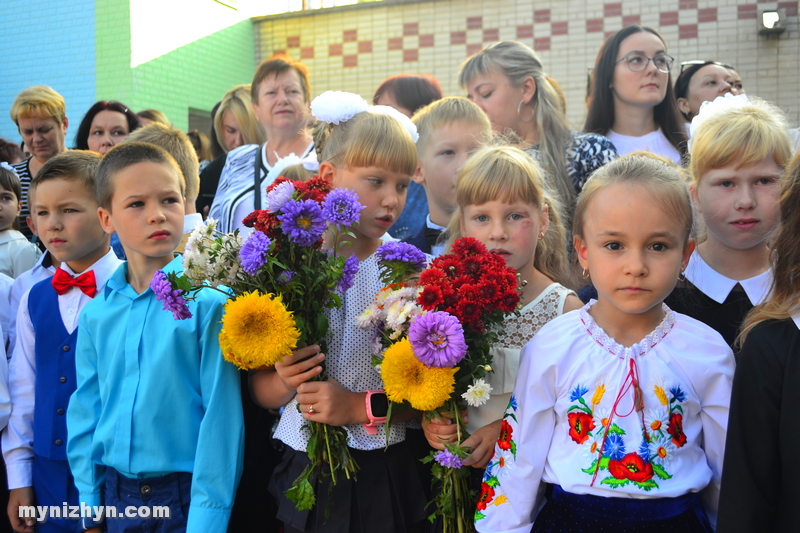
x,y
585,274
541,235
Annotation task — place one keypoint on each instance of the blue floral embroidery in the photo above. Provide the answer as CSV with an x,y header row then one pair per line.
x,y
614,447
677,394
578,392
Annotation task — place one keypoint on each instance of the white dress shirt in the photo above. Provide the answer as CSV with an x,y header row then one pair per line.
x,y
43,269
18,437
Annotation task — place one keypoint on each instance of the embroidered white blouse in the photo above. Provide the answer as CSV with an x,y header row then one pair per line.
x,y
562,426
505,353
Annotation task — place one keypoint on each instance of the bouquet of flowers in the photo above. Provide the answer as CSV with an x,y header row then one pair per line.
x,y
279,281
439,366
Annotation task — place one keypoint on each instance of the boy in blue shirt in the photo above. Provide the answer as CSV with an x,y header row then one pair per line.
x,y
42,371
157,412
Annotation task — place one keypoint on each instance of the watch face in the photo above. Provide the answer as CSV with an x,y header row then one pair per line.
x,y
379,405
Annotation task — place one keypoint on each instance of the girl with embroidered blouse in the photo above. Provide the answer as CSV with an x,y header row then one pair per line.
x,y
369,150
501,202
739,148
620,409
759,491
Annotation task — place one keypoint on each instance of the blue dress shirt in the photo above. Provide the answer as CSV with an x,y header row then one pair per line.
x,y
154,397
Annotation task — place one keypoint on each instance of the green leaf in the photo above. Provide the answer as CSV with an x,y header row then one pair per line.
x,y
616,430
647,485
493,481
479,515
604,463
660,472
591,468
678,407
514,449
614,483
302,493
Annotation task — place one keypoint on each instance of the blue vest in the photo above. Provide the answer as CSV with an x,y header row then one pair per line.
x,y
55,372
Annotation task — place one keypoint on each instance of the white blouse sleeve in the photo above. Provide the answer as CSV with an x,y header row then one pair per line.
x,y
509,496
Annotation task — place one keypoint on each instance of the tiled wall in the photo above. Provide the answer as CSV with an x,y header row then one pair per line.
x,y
355,48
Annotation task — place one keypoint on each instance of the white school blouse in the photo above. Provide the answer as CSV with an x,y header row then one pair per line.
x,y
561,426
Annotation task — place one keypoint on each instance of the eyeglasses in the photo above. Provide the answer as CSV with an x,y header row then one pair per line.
x,y
637,61
701,62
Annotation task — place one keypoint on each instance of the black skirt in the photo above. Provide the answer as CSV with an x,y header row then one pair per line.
x,y
388,494
576,513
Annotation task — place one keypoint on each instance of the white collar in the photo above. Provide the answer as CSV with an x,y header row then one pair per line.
x,y
103,268
718,287
796,319
11,235
432,225
190,221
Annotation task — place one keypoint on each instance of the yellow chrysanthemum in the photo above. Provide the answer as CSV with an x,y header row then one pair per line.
x,y
257,330
406,378
660,394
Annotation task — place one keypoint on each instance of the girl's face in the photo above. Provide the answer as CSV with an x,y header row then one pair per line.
x,y
231,131
108,129
706,84
739,205
495,94
634,251
639,89
511,230
9,208
382,191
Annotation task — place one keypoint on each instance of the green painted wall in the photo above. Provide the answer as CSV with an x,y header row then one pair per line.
x,y
196,75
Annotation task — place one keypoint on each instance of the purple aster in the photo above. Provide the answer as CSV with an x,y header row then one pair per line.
x,y
278,196
348,273
402,251
302,221
285,277
448,459
172,299
438,339
253,253
341,207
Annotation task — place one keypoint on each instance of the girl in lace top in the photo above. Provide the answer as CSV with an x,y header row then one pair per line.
x,y
501,202
623,405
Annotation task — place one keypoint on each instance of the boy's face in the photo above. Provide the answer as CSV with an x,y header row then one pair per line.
x,y
66,219
447,151
146,210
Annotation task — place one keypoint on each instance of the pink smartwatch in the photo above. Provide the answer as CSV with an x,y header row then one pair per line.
x,y
377,408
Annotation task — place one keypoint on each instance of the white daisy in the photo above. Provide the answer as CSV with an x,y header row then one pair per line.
x,y
662,449
656,420
478,393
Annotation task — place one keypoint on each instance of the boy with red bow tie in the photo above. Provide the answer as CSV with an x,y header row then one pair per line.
x,y
42,369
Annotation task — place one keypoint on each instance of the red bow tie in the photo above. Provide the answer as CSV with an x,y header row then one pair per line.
x,y
62,281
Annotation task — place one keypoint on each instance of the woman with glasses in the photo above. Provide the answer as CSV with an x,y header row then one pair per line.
x,y
632,98
701,81
507,80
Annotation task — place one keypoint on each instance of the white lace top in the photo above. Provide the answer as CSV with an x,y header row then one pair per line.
x,y
505,354
573,419
348,361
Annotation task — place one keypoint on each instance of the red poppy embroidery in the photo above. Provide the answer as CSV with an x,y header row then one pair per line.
x,y
580,424
632,467
487,495
504,443
676,429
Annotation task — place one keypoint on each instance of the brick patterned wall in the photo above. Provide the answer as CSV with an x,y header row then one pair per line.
x,y
355,48
50,43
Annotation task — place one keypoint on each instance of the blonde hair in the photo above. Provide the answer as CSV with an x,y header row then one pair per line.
x,y
366,140
669,189
178,145
154,115
784,300
445,112
517,61
39,101
238,102
743,136
507,174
